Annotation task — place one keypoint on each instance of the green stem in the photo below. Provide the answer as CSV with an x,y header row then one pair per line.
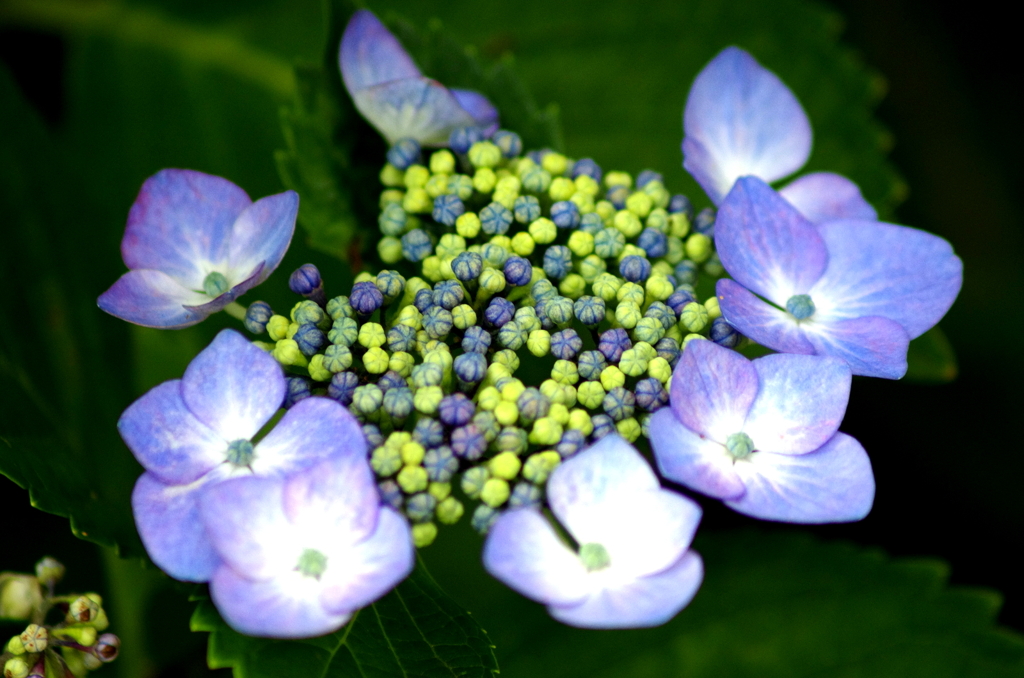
x,y
235,310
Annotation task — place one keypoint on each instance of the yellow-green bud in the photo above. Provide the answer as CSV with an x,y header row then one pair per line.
x,y
659,288
402,363
713,308
545,431
674,333
506,413
694,317
505,465
287,352
293,327
539,343
607,286
586,184
495,492
385,462
413,479
484,180
412,453
496,371
629,429
427,400
556,163
540,465
423,534
579,420
468,225
392,196
437,185
658,218
640,204
488,398
590,394
660,369
463,316
371,335
698,247
442,162
439,491
605,210
561,188
390,250
416,176
432,268
449,511
418,201
484,154
628,314
19,596
581,243
511,391
630,291
492,280
523,244
678,225
277,327
584,202
543,231
560,413
507,182
692,337
611,377
15,646
16,667
573,286
612,179
559,393
508,358
376,361
565,372
628,223
317,370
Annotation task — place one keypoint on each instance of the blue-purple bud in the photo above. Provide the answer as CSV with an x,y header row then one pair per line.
x,y
566,344
603,425
647,176
654,242
705,222
428,432
617,195
437,322
309,338
467,266
390,283
512,439
533,405
678,300
298,389
401,338
650,394
403,153
668,348
398,401
686,272
373,435
612,343
589,310
586,166
499,311
558,262
680,203
484,518
590,365
391,494
565,214
448,294
571,443
495,219
305,280
559,310
441,464
456,410
423,300
724,334
476,339
257,316
525,495
365,298
342,386
518,271
526,209
420,507
416,245
391,379
462,138
509,143
468,442
663,313
635,268
591,223
427,374
470,367
619,403
447,208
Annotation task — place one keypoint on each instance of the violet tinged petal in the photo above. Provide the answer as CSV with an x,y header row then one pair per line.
x,y
892,271
766,245
260,237
418,108
282,607
233,387
760,321
338,494
167,517
180,224
370,55
523,551
152,298
824,196
686,458
712,389
830,485
167,439
313,430
800,404
740,120
872,346
477,105
358,575
643,602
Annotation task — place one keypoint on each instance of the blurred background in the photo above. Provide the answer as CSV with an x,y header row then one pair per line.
x,y
122,99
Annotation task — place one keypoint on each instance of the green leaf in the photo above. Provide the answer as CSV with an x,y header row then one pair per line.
x,y
416,630
931,359
779,605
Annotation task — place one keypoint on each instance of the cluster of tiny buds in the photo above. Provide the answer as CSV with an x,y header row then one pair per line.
x,y
64,635
516,263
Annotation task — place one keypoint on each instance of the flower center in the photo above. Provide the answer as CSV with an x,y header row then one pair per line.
x,y
240,452
594,556
215,284
739,445
312,563
801,306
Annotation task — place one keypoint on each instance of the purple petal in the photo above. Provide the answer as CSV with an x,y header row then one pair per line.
x,y
260,237
180,224
233,387
478,106
647,601
313,430
830,485
762,322
712,389
370,55
523,551
417,108
766,245
153,299
356,576
167,439
824,196
892,271
167,517
283,607
687,458
338,494
872,346
740,119
800,404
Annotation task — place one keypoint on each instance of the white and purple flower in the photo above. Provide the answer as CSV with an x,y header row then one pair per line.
x,y
194,243
741,120
395,97
762,435
855,289
633,567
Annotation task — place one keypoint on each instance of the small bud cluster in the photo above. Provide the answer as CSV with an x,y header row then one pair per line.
x,y
74,645
535,263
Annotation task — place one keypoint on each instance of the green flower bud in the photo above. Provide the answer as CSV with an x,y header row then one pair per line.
x,y
402,363
607,286
412,453
84,609
439,491
546,431
691,337
495,492
460,185
416,176
639,204
505,465
413,479
492,280
694,317
523,244
16,667
389,249
556,163
579,420
317,371
543,231
612,377
527,318
392,196
539,343
418,201
605,210
581,243
713,308
507,182
676,250
590,267
450,245
386,461
442,162
540,465
468,225
449,511
367,398
561,188
484,154
506,413
376,361
590,394
631,292
678,225
287,352
507,358
463,316
344,332
427,400
371,335
473,481
559,393
484,180
584,202
660,369
698,247
336,359
511,391
586,184
423,534
659,288
565,372
612,179
629,429
627,223
20,595
632,363
277,327
437,185
628,314
573,286
649,330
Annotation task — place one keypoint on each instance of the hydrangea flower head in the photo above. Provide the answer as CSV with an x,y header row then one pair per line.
x,y
194,432
762,435
633,568
855,289
740,120
395,97
194,243
301,554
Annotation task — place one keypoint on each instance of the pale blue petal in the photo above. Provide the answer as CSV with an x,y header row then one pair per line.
x,y
800,404
370,55
417,108
167,439
523,551
313,430
896,272
760,321
478,106
712,389
824,196
221,302
340,493
688,459
167,518
766,245
830,485
646,601
233,386
152,298
259,239
740,120
180,224
872,346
